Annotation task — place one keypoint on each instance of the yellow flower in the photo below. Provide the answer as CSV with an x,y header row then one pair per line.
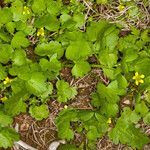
x,y
40,32
3,98
121,7
7,80
26,10
138,78
65,106
109,121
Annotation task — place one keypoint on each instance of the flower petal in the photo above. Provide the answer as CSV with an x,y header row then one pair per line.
x,y
141,81
134,77
142,76
137,82
136,74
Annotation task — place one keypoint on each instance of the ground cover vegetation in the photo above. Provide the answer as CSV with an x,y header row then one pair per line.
x,y
48,51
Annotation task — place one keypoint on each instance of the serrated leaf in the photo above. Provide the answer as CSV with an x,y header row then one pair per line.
x,y
105,57
54,7
126,133
7,137
103,99
39,112
5,120
17,9
5,36
48,49
146,118
92,133
64,91
19,57
50,22
79,19
36,85
10,26
85,115
78,50
63,123
95,29
5,53
6,15
38,6
66,134
15,105
142,66
3,73
50,68
81,68
141,108
19,40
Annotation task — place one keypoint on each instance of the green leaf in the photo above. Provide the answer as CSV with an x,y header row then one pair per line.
x,y
142,66
3,73
66,134
110,39
126,133
17,9
7,137
38,6
141,108
146,118
19,40
5,120
18,85
92,133
5,36
10,26
19,57
79,19
6,15
85,115
107,93
105,57
95,29
39,112
50,22
50,68
48,49
36,85
81,68
96,127
5,53
103,99
54,7
130,55
119,85
64,91
15,104
63,123
78,50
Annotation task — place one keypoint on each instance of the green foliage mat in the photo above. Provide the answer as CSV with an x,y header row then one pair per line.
x,y
59,34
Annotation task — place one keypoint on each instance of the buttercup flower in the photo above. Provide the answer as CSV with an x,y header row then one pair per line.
x,y
7,80
138,78
121,7
26,10
40,32
109,121
65,106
